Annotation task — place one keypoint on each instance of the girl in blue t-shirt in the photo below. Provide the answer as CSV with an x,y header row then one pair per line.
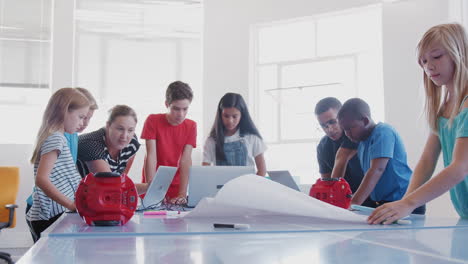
x,y
443,54
234,139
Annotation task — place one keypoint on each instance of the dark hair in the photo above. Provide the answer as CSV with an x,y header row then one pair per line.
x,y
246,125
354,108
121,110
326,103
178,91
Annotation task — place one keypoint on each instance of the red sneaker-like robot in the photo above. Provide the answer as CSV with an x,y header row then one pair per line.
x,y
333,191
106,199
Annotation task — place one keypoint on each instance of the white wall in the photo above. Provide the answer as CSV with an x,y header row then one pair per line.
x,y
404,93
226,57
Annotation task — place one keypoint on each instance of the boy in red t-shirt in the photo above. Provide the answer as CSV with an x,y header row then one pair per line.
x,y
170,139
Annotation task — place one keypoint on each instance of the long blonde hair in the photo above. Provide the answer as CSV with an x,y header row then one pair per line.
x,y
451,37
63,100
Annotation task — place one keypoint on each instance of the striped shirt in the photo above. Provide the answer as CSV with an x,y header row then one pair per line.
x,y
63,176
92,146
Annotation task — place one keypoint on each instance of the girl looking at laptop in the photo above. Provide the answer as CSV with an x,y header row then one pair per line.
x,y
234,139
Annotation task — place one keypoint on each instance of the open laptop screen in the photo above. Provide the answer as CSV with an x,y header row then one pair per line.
x,y
158,187
205,181
285,178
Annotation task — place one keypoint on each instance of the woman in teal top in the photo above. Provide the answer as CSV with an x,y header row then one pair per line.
x,y
442,53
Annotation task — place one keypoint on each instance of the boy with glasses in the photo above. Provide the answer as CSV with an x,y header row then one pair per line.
x,y
336,154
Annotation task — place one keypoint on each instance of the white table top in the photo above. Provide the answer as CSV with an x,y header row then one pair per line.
x,y
273,239
72,225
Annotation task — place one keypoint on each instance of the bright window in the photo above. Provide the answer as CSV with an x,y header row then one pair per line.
x,y
299,62
125,52
128,52
290,36
25,49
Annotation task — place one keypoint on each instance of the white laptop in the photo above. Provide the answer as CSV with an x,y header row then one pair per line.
x,y
285,178
158,187
205,181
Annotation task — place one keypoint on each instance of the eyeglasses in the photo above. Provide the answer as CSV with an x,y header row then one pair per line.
x,y
329,123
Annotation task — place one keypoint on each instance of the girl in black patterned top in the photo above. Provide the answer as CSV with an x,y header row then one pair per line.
x,y
111,148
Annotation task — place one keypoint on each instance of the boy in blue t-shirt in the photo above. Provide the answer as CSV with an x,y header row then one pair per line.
x,y
336,154
381,153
